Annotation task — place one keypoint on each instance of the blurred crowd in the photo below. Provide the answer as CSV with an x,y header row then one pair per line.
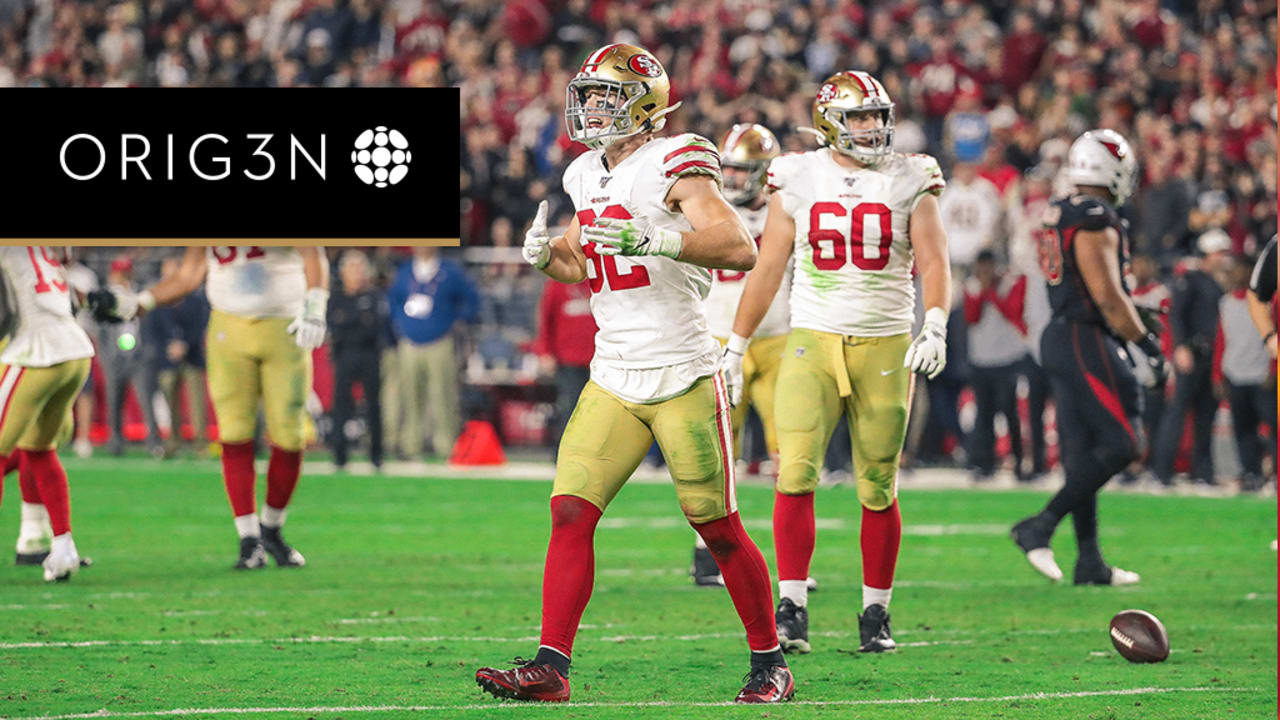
x,y
996,90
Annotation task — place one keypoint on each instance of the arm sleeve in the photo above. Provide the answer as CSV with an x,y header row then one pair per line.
x,y
931,182
1263,280
973,307
1013,305
546,319
1178,309
1219,345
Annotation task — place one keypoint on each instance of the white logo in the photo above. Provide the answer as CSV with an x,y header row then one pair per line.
x,y
885,373
377,164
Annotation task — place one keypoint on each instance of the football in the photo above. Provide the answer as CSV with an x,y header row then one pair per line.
x,y
1139,636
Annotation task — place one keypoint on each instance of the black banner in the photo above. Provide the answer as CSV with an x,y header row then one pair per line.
x,y
233,163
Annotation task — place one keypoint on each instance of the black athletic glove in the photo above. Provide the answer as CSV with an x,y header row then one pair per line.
x,y
102,305
1150,347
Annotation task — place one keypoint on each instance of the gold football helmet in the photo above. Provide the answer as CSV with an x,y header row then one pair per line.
x,y
620,91
751,148
850,93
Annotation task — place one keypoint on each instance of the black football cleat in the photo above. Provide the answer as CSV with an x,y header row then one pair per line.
x,y
705,572
38,559
252,556
793,627
285,556
873,626
768,685
539,682
1032,536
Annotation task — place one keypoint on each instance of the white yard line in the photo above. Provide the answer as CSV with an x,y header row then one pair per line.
x,y
496,706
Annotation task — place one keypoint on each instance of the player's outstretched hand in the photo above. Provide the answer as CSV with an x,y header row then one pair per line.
x,y
537,242
113,305
633,236
731,366
928,352
308,327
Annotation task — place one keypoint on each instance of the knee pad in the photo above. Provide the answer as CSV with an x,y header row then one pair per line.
x,y
797,477
877,487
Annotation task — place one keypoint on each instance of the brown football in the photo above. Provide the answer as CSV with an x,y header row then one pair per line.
x,y
1139,636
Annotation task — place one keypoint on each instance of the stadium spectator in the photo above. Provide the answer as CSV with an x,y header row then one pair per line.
x,y
994,302
429,297
357,315
971,212
565,344
122,348
1152,299
1193,318
1245,372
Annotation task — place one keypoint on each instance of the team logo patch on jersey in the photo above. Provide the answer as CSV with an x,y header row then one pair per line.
x,y
849,181
604,181
828,92
644,65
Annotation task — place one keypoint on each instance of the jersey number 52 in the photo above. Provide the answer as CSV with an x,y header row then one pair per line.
x,y
605,267
832,249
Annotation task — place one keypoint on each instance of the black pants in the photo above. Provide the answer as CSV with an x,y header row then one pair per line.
x,y
122,371
1099,418
1037,397
350,368
1192,391
1252,405
995,391
569,383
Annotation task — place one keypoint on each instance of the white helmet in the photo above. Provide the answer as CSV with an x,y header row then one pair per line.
x,y
1103,158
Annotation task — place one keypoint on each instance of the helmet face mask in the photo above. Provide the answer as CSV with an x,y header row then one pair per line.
x,y
839,115
752,176
620,91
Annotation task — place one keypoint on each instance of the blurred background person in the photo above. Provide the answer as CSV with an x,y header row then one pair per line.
x,y
124,351
1245,373
565,345
429,297
1193,318
357,317
993,306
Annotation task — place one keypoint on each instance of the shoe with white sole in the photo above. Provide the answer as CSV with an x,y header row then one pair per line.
x,y
1093,573
1032,536
63,560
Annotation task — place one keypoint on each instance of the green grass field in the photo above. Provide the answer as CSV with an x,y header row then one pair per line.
x,y
413,583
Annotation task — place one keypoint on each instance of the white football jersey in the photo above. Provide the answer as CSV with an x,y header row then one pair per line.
x,y
649,308
971,214
852,254
47,332
727,287
255,281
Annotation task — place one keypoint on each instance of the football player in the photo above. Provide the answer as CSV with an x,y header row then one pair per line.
x,y
1084,254
745,153
650,221
42,369
856,216
267,315
35,533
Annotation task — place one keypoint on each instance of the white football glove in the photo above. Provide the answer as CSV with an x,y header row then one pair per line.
x,y
308,328
928,352
731,366
633,236
537,242
118,303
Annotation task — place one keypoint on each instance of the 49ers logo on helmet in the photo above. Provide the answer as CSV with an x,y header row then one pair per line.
x,y
828,92
1114,148
644,65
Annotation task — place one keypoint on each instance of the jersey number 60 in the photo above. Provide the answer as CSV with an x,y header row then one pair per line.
x,y
831,249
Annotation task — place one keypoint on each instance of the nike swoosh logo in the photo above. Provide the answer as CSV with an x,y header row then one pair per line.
x,y
888,372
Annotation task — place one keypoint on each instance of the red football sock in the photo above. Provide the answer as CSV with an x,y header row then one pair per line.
x,y
793,534
570,570
282,476
48,472
746,576
26,479
239,476
881,536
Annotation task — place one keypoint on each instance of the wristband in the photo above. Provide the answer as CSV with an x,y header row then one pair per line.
x,y
737,344
146,301
936,316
